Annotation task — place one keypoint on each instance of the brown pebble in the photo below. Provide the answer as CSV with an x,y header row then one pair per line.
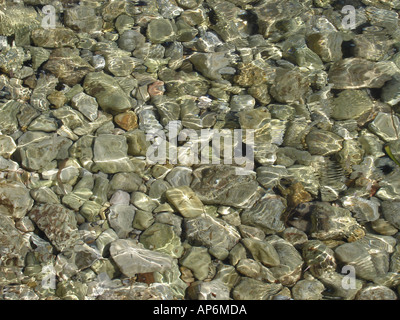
x,y
156,88
296,194
30,82
126,120
147,277
57,99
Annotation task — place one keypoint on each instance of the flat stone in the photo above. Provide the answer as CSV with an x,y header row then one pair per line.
x,y
335,281
368,256
7,146
161,237
385,126
143,202
211,290
262,251
142,220
185,201
125,181
132,258
355,73
109,95
110,154
54,38
252,289
376,292
58,223
43,123
37,149
172,219
219,253
390,210
327,45
198,260
209,64
137,143
90,210
308,290
161,30
85,104
266,215
242,102
289,270
15,200
120,65
351,104
82,19
67,66
179,176
120,218
289,86
120,197
322,142
219,184
127,120
211,232
44,195
254,269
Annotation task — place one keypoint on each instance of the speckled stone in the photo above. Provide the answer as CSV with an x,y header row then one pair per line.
x,y
127,120
15,200
58,223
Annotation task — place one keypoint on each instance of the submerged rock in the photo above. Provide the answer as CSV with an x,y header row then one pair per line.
x,y
308,188
132,258
58,223
109,95
252,289
211,232
67,66
15,200
355,73
110,154
162,238
185,201
220,185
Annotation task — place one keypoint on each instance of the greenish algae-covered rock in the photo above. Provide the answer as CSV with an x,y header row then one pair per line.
x,y
109,95
162,238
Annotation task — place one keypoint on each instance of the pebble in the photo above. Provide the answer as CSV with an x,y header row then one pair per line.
x,y
15,199
185,201
83,103
132,258
198,260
